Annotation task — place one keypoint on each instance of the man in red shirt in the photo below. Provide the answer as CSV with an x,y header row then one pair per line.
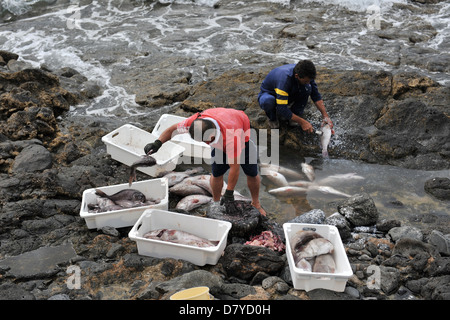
x,y
227,131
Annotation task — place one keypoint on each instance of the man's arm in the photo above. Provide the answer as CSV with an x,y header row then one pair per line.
x,y
168,133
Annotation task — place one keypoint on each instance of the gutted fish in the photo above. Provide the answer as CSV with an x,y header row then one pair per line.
x,y
191,202
308,248
180,237
329,190
187,188
144,161
324,263
276,177
308,170
288,191
125,195
325,140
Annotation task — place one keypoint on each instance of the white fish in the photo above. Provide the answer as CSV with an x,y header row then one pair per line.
x,y
289,173
329,190
187,188
339,178
191,202
324,263
315,247
301,183
325,140
308,170
288,191
304,265
276,177
181,237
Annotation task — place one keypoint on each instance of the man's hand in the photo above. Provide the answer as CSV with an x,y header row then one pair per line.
x,y
327,120
154,146
306,126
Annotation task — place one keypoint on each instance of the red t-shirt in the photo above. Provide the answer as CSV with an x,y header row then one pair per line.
x,y
234,128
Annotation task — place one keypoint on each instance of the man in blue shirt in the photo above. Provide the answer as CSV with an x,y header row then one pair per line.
x,y
285,91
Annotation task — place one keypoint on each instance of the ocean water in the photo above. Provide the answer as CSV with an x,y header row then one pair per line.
x,y
84,34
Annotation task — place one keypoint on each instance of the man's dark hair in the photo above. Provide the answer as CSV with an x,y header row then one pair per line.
x,y
305,68
200,124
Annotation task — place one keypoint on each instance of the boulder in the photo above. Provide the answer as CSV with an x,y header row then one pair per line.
x,y
359,209
398,233
244,261
438,188
33,158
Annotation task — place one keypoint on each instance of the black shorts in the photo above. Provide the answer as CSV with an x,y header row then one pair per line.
x,y
248,161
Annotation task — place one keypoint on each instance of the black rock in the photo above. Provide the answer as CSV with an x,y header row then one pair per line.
x,y
438,188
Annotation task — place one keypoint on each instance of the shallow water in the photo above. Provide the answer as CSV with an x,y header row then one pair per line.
x,y
398,193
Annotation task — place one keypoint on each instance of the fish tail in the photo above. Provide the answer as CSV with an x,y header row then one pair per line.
x,y
101,193
132,176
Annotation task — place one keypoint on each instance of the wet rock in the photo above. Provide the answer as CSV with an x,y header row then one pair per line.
x,y
236,290
440,241
32,158
10,291
244,262
315,216
6,56
398,233
39,263
387,224
438,187
389,279
341,224
192,279
359,209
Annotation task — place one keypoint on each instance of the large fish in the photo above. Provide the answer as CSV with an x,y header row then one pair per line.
x,y
124,199
307,246
288,191
176,177
144,161
289,173
329,190
308,170
324,263
123,196
339,178
325,140
191,202
277,178
180,237
187,188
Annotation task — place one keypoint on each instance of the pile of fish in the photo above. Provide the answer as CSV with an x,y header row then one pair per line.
x,y
180,237
268,240
302,181
124,199
312,252
195,190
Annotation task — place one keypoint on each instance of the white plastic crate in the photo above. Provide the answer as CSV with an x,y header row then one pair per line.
x,y
211,229
126,144
152,189
193,149
304,280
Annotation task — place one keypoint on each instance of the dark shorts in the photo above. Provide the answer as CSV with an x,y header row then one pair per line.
x,y
248,161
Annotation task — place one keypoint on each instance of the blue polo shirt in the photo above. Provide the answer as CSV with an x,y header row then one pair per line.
x,y
281,83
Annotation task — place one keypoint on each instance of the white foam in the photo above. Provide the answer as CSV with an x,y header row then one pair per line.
x,y
359,5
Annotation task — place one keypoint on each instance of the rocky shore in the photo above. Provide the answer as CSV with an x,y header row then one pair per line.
x,y
47,160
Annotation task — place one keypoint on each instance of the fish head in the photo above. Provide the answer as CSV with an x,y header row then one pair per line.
x,y
138,197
